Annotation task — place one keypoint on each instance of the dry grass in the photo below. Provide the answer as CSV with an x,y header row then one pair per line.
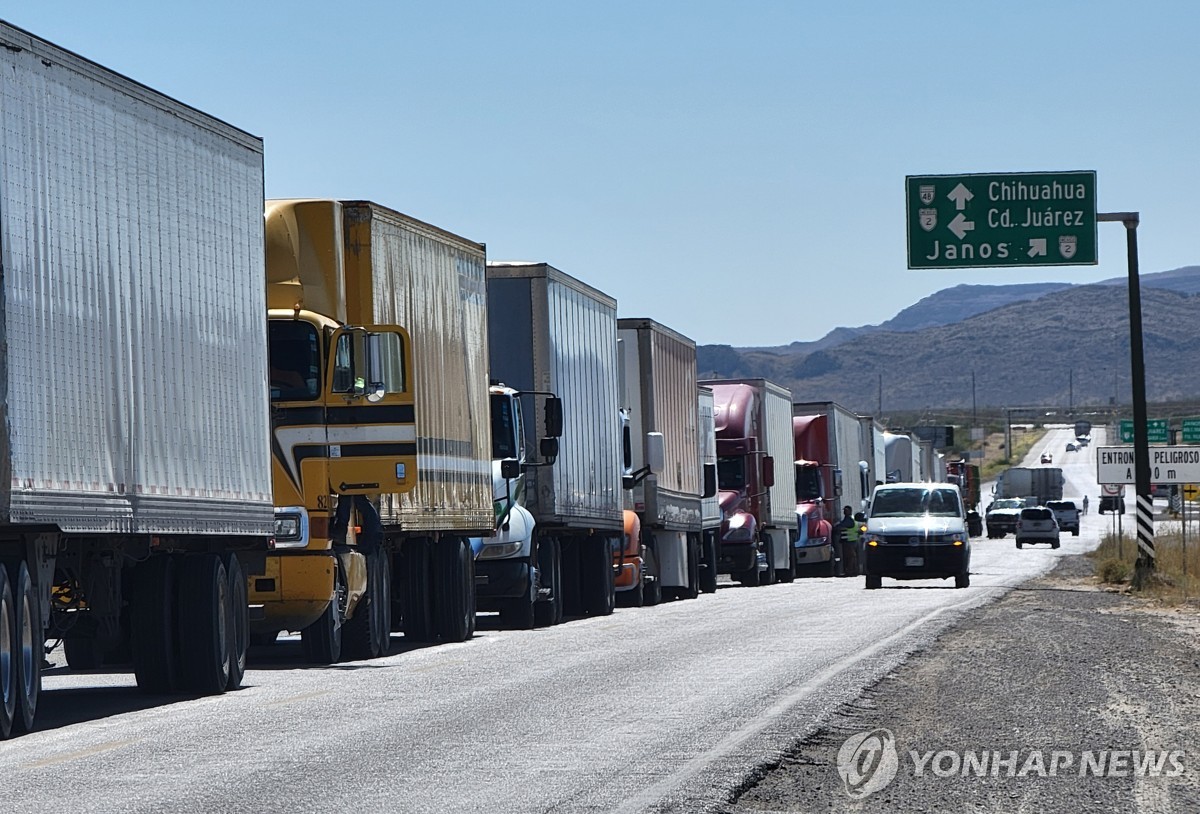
x,y
996,459
1176,578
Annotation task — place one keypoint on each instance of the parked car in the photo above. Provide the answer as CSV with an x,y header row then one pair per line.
x,y
1037,525
1047,458
1067,515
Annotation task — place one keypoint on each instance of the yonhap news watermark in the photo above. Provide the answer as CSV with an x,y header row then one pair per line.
x,y
868,761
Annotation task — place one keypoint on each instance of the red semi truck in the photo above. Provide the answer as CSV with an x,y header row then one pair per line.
x,y
757,492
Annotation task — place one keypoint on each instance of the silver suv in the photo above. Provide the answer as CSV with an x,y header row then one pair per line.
x,y
1037,525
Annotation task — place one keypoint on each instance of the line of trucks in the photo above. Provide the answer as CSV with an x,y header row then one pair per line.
x,y
227,417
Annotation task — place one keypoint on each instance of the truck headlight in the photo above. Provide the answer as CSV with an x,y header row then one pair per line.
x,y
498,551
291,527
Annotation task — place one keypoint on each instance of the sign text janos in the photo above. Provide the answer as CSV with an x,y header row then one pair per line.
x,y
1012,219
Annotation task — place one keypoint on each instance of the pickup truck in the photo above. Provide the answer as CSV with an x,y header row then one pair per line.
x,y
1001,517
1067,515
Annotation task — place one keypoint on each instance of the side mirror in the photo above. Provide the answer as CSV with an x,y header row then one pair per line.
x,y
837,483
655,453
628,482
553,417
510,468
768,471
710,480
549,449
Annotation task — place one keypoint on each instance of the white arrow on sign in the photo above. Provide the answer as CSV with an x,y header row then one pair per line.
x,y
1037,247
960,226
960,195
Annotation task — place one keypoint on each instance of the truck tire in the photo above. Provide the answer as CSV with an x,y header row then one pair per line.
x,y
361,635
767,575
788,574
30,638
9,679
322,640
634,597
549,608
83,654
1054,544
652,591
873,582
204,648
596,576
454,598
520,613
385,601
708,571
239,621
692,589
1019,543
152,611
417,608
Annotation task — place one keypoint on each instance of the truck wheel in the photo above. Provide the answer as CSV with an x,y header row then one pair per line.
x,y
30,638
692,589
788,574
634,597
239,621
9,678
204,649
652,592
416,612
518,613
1019,543
1074,532
384,606
599,592
873,582
454,600
708,573
152,624
1054,544
322,640
962,580
767,575
549,608
83,654
361,633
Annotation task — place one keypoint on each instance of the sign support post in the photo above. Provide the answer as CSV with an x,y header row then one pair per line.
x,y
1137,364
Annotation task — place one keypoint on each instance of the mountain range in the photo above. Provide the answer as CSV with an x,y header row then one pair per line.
x,y
997,346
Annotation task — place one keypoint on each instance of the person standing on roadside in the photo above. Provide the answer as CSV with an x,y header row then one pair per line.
x,y
1085,504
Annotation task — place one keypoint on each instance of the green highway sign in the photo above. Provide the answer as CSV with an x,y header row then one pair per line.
x,y
1191,431
1001,219
1157,430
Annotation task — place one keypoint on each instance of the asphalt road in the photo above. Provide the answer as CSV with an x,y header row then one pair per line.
x,y
667,708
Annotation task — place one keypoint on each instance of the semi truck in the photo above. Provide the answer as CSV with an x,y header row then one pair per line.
x,y
551,333
969,480
1038,484
757,490
513,573
136,495
658,389
379,484
833,452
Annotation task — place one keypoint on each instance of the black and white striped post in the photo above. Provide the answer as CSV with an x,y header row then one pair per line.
x,y
1137,367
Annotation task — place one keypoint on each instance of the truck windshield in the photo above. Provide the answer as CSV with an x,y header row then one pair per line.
x,y
912,502
808,484
295,360
731,472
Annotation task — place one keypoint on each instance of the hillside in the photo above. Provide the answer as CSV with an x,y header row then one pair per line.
x,y
1027,352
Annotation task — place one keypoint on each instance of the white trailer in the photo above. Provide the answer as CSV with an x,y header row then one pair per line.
x,y
136,431
659,392
551,333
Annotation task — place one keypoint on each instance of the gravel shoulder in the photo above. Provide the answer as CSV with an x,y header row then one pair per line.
x,y
1054,670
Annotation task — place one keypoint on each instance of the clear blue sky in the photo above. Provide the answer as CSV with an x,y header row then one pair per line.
x,y
733,170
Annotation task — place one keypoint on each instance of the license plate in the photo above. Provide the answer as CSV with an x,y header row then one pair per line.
x,y
911,561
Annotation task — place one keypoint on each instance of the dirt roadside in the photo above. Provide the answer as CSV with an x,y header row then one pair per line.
x,y
1081,683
